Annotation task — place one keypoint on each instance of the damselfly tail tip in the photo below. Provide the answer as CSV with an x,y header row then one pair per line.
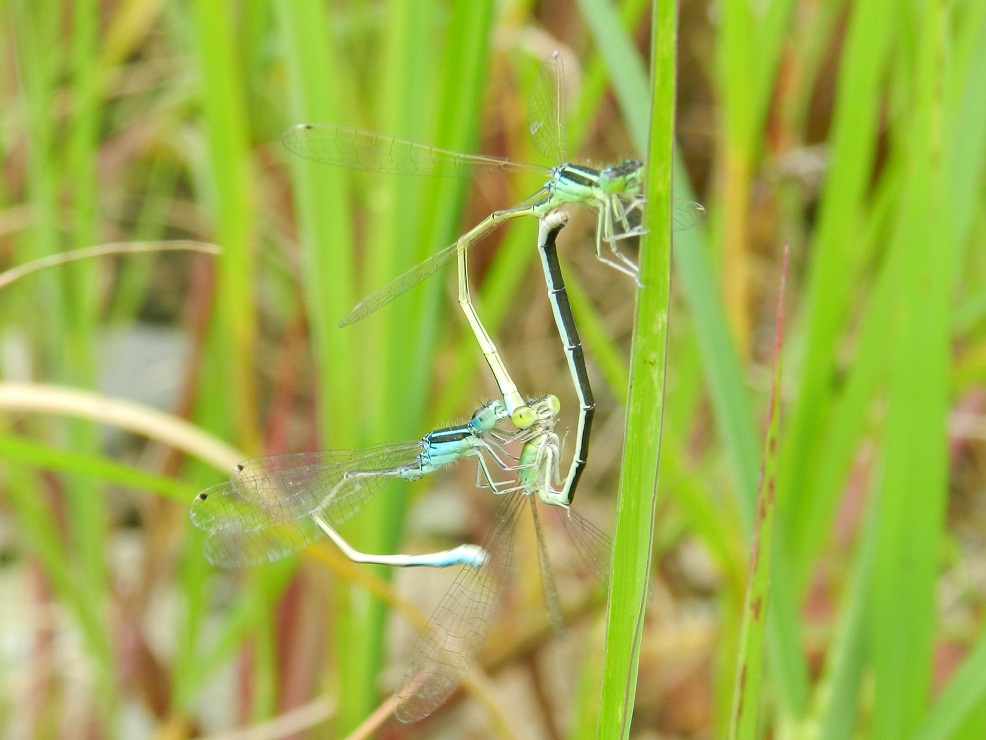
x,y
472,555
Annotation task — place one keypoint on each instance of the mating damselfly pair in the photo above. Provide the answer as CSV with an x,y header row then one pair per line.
x,y
274,506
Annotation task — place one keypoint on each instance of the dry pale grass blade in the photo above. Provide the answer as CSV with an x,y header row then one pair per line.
x,y
39,398
16,273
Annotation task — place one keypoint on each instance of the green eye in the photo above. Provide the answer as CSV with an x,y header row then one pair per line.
x,y
523,417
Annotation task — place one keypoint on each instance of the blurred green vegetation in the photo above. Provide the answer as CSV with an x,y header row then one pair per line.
x,y
854,131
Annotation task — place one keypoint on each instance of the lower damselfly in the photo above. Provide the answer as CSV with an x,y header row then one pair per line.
x,y
274,506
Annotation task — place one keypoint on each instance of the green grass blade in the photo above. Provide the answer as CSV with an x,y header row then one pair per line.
x,y
835,253
912,501
45,457
722,366
322,205
228,177
726,387
748,52
749,684
57,176
838,692
408,223
962,699
633,540
723,370
958,709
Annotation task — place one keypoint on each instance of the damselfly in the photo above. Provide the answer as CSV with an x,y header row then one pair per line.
x,y
613,192
273,506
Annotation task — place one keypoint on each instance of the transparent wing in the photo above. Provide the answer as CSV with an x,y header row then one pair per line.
x,y
266,492
546,111
461,622
547,575
233,549
399,285
404,282
594,547
686,214
373,152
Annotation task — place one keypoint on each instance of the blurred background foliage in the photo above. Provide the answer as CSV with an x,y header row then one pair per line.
x,y
855,131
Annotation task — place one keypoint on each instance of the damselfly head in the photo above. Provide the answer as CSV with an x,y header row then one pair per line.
x,y
488,415
545,408
625,177
552,405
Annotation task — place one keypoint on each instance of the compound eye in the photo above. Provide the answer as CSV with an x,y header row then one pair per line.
x,y
612,180
482,420
523,417
487,416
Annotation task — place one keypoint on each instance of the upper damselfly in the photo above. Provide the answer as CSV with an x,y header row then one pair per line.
x,y
614,193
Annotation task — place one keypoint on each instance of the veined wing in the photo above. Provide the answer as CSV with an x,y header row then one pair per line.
x,y
546,111
461,622
405,281
237,549
594,547
400,285
686,214
547,575
366,150
266,492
